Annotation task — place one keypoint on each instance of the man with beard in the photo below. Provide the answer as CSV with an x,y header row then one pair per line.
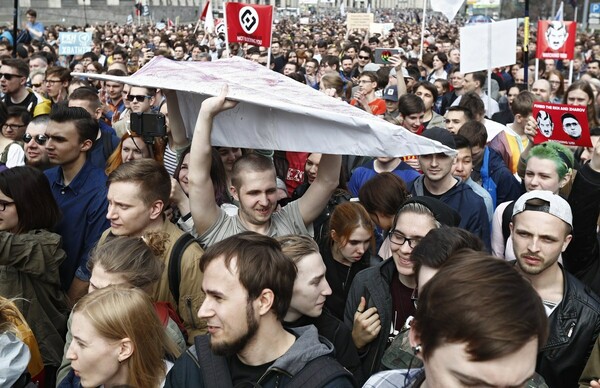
x,y
248,345
541,229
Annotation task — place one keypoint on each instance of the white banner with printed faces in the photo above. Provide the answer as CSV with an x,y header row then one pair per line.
x,y
274,111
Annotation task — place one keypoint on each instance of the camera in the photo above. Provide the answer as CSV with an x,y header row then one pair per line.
x,y
148,125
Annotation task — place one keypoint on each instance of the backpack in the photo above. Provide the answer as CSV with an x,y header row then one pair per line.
x,y
165,311
215,372
174,274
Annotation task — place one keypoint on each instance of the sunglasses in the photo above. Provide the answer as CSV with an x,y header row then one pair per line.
x,y
37,85
131,97
9,76
40,139
361,57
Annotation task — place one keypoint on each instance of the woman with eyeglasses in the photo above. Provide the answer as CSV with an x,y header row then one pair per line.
x,y
30,256
380,299
12,152
557,86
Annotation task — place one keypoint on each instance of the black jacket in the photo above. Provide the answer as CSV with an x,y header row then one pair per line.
x,y
374,284
582,257
340,286
574,327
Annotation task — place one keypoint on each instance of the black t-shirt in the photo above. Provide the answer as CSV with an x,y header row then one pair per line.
x,y
402,302
28,103
243,375
428,194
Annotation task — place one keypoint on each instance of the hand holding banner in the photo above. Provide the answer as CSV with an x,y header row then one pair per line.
x,y
249,23
565,124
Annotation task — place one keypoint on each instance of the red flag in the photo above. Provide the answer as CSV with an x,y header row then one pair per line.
x,y
249,23
205,10
170,23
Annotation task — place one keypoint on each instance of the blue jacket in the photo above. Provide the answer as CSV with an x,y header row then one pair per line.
x,y
508,187
470,206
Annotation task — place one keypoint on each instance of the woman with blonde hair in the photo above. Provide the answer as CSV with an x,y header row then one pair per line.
x,y
111,347
132,147
128,262
20,358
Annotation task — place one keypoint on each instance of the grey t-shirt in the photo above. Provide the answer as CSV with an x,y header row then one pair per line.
x,y
283,222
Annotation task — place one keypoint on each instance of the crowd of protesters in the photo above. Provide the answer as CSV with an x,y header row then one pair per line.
x,y
149,261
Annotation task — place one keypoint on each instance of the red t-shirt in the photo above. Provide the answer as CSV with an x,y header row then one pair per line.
x,y
377,106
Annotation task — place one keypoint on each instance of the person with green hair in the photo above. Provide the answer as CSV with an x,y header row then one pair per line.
x,y
549,166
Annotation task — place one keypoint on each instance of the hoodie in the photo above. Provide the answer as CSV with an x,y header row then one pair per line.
x,y
307,347
470,206
14,357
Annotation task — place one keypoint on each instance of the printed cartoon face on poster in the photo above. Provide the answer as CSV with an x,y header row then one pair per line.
x,y
556,39
565,124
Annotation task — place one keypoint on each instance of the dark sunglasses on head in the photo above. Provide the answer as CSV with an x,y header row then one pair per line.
x,y
9,76
40,139
131,97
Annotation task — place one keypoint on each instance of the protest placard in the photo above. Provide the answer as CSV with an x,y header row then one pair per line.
x,y
74,43
358,21
249,23
275,112
381,28
485,46
556,39
565,124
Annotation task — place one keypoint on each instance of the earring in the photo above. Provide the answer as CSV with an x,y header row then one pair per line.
x,y
416,349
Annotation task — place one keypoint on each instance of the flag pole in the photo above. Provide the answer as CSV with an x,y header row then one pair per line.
x,y
526,44
226,27
571,63
423,28
270,41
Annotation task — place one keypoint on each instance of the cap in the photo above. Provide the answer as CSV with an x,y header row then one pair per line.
x,y
443,213
390,93
554,205
440,134
371,67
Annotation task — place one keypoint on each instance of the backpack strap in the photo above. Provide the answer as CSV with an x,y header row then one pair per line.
x,y
215,371
506,218
318,372
175,263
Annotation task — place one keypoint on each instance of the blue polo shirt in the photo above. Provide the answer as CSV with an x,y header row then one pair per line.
x,y
84,206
